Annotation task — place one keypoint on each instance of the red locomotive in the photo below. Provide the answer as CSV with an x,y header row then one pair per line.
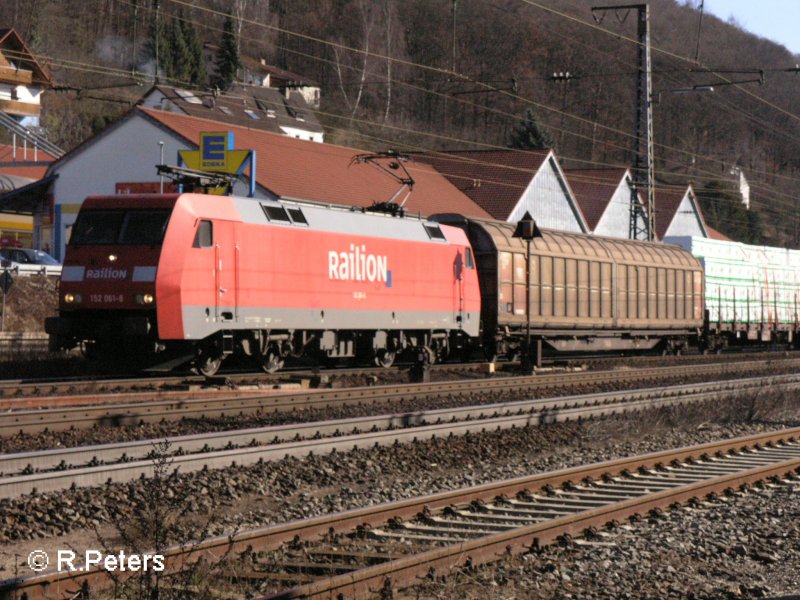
x,y
194,277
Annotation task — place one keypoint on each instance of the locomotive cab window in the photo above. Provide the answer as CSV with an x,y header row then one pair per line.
x,y
469,260
144,227
97,227
204,238
130,227
276,213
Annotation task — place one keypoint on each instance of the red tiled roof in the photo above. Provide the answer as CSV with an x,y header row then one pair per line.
x,y
27,163
717,235
24,154
255,64
295,168
494,179
593,189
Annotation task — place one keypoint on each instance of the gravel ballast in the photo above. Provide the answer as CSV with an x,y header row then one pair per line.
x,y
242,498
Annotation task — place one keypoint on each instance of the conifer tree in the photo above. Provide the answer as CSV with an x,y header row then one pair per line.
x,y
159,47
197,74
181,58
530,135
227,57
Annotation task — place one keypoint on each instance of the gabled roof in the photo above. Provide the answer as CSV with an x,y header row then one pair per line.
x,y
668,200
281,76
293,168
248,106
16,50
717,235
494,179
594,189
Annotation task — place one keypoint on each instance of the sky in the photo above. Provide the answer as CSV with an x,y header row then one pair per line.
x,y
776,20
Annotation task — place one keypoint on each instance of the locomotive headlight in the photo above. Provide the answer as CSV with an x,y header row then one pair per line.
x,y
148,298
69,298
112,258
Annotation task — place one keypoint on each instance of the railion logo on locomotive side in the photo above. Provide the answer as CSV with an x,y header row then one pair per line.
x,y
359,265
106,273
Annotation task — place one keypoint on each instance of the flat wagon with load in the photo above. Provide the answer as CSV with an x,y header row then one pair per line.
x,y
752,293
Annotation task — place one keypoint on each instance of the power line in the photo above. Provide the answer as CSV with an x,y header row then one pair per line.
x,y
416,132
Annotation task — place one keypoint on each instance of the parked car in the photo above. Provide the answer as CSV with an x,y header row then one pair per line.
x,y
27,261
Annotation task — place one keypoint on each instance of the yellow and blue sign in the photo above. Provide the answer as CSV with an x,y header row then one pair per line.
x,y
216,154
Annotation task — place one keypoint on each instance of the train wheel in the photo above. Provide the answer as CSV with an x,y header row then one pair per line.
x,y
385,358
270,362
208,365
89,349
208,359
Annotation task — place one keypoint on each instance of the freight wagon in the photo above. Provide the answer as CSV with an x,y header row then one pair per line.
x,y
752,292
586,292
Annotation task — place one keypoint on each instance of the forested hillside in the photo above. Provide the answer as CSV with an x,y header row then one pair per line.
x,y
433,74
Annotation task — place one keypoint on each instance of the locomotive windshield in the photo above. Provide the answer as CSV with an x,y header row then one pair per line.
x,y
130,227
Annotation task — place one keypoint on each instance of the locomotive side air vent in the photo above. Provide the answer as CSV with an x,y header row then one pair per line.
x,y
434,232
297,216
276,213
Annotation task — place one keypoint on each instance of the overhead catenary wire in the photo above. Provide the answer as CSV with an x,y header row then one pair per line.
x,y
461,76
510,115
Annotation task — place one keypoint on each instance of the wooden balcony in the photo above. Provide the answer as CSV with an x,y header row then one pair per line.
x,y
20,109
15,76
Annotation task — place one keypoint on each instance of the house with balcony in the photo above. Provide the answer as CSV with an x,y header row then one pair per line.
x,y
22,80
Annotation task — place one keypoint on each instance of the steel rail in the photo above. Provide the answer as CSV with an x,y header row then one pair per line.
x,y
13,391
366,582
32,392
379,432
59,419
53,584
62,458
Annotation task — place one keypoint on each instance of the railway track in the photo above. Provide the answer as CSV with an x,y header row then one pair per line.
x,y
64,468
47,388
165,409
360,552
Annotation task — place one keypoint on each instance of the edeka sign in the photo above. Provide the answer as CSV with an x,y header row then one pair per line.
x,y
213,153
216,154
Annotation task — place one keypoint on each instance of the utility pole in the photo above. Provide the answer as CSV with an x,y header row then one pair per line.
x,y
156,8
643,165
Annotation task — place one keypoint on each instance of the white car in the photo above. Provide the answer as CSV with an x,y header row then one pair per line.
x,y
27,261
